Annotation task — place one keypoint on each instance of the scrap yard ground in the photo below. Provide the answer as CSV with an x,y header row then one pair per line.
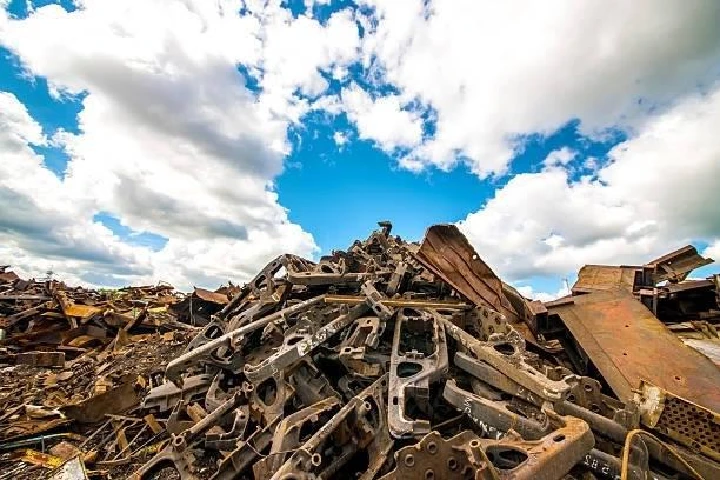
x,y
390,360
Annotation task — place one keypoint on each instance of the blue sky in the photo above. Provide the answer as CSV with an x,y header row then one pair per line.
x,y
194,154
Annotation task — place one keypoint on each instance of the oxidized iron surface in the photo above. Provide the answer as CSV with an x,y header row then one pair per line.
x,y
627,344
390,360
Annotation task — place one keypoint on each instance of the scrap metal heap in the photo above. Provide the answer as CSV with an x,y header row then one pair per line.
x,y
396,360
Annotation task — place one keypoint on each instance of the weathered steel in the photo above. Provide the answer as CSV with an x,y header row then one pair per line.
x,y
627,344
675,266
447,253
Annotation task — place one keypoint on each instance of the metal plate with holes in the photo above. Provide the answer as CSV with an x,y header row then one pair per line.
x,y
691,425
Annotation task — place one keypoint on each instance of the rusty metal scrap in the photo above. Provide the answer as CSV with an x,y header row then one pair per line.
x,y
388,360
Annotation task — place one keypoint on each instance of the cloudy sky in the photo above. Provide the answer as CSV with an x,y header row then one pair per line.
x,y
192,140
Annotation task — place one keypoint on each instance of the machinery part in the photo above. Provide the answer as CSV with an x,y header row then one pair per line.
x,y
244,454
230,339
491,415
287,436
494,378
548,458
310,384
356,361
268,399
366,333
295,348
397,279
374,300
164,397
434,458
215,396
683,421
602,464
177,453
675,266
226,441
400,302
506,356
419,357
357,425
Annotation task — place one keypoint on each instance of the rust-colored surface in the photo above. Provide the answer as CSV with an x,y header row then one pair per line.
x,y
208,296
604,277
448,254
675,266
390,359
627,344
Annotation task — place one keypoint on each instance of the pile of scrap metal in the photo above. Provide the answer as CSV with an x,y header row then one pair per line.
x,y
71,356
403,360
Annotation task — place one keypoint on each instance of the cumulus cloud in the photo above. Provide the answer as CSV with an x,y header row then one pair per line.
x,y
559,157
529,292
340,139
41,226
172,138
495,71
186,105
659,191
713,251
382,119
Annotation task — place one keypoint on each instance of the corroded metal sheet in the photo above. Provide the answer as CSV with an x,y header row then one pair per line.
x,y
675,266
448,254
604,277
628,344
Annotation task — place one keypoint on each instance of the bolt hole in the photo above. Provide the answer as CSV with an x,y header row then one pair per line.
x,y
409,460
677,377
432,448
316,459
558,438
429,474
452,464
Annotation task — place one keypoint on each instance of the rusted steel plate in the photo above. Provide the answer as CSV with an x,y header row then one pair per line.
x,y
675,266
81,311
448,254
603,277
208,296
627,344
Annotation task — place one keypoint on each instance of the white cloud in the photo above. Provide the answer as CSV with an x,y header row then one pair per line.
x,y
170,139
41,224
560,157
340,139
660,191
382,119
529,292
173,140
713,250
494,71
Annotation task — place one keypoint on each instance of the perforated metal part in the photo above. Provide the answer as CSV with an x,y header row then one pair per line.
x,y
692,425
685,422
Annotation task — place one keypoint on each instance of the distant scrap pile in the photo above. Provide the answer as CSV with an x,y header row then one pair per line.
x,y
388,360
